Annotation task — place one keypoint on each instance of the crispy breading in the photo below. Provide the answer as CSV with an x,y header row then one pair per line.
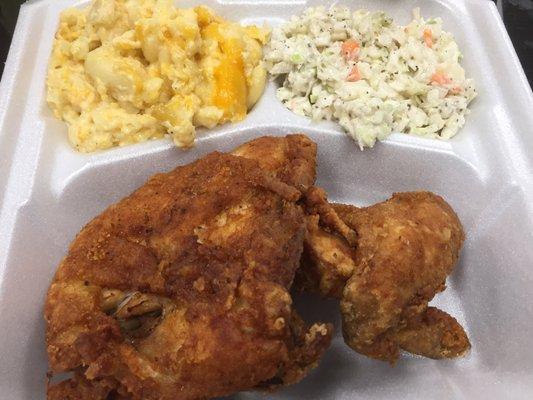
x,y
328,261
317,204
434,334
343,240
276,155
292,159
405,248
180,290
80,388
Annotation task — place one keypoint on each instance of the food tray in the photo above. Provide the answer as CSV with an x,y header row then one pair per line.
x,y
49,192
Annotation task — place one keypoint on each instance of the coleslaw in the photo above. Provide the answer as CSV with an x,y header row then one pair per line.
x,y
372,76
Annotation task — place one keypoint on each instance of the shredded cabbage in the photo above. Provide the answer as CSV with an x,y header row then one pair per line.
x,y
372,76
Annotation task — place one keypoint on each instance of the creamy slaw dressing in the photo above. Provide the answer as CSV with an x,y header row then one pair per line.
x,y
372,76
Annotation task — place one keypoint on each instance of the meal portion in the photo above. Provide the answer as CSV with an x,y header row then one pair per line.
x,y
385,263
123,72
372,76
182,289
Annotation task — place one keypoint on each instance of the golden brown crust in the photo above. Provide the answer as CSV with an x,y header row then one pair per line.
x,y
80,388
434,334
405,248
291,159
317,204
328,261
180,290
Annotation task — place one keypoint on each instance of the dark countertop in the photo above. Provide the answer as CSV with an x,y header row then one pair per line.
x,y
518,19
517,16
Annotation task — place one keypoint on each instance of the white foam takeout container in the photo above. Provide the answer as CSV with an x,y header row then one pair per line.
x,y
49,191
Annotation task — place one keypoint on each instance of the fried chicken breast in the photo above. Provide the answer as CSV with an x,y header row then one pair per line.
x,y
291,159
181,290
404,249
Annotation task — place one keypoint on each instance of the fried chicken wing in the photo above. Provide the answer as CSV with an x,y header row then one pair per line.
x,y
328,260
434,334
405,248
331,258
180,291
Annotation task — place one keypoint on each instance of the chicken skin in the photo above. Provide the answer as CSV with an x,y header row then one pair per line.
x,y
181,290
405,248
291,159
335,232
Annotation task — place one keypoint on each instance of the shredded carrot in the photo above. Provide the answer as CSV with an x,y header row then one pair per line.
x,y
354,74
350,49
440,78
456,90
428,37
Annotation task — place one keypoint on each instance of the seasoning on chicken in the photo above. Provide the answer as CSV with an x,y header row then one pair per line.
x,y
405,249
181,290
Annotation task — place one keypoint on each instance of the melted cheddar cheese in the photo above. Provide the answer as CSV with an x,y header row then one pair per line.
x,y
122,72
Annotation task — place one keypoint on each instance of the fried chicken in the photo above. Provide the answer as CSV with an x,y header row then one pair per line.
x,y
181,290
291,159
331,257
405,248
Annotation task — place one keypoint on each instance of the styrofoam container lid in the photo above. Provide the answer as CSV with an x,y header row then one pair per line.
x,y
49,191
